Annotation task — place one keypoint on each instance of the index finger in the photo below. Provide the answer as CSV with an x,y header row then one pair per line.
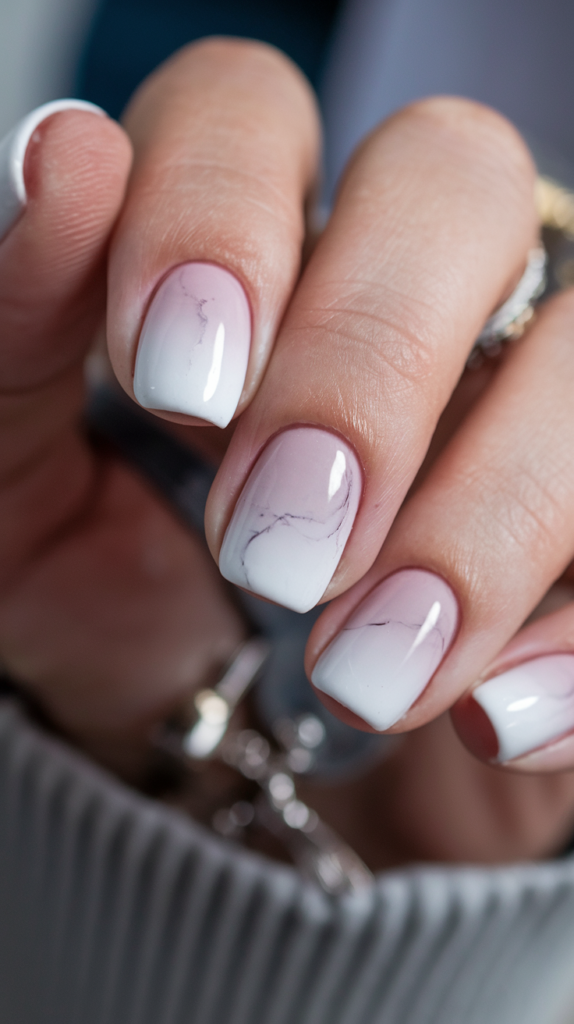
x,y
209,245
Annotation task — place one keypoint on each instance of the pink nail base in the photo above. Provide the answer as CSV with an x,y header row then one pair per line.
x,y
293,518
388,651
194,347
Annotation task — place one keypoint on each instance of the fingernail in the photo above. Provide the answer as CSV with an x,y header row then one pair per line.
x,y
530,705
293,518
194,345
390,648
13,148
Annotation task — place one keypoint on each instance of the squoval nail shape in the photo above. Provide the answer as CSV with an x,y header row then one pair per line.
x,y
13,148
388,651
530,705
293,518
194,346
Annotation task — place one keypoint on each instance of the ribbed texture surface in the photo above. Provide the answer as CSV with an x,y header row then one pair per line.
x,y
116,911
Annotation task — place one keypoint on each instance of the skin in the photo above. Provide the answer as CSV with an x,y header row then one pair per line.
x,y
109,611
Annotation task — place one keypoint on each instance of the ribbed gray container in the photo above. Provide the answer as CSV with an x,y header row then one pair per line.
x,y
114,910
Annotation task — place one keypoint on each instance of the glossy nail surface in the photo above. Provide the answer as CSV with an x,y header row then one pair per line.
x,y
194,346
13,154
293,518
530,705
388,651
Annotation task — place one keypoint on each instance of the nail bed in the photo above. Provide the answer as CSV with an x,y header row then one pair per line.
x,y
388,651
194,346
293,518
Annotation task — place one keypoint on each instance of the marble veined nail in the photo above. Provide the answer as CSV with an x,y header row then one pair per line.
x,y
293,518
194,346
388,651
13,147
530,705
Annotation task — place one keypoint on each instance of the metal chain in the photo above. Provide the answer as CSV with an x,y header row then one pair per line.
x,y
273,764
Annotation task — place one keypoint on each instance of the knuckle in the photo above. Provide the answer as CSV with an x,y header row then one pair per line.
x,y
258,66
228,50
531,517
463,141
251,200
249,219
522,512
476,132
388,354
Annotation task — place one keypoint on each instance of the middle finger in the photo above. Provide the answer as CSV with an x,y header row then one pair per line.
x,y
431,229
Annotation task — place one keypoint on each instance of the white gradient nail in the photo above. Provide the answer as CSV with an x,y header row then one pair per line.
x,y
13,148
194,346
293,518
390,648
530,705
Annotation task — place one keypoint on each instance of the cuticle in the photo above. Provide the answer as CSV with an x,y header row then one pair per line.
x,y
487,675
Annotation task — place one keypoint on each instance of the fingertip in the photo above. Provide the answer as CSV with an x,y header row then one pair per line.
x,y
13,152
76,168
52,278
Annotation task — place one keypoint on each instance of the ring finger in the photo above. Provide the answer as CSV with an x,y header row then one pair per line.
x,y
471,553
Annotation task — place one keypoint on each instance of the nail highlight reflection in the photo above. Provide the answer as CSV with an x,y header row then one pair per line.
x,y
388,651
293,518
530,705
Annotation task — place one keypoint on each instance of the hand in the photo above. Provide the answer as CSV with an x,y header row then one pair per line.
x,y
109,610
430,232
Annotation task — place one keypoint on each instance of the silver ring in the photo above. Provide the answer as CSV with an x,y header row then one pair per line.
x,y
509,321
